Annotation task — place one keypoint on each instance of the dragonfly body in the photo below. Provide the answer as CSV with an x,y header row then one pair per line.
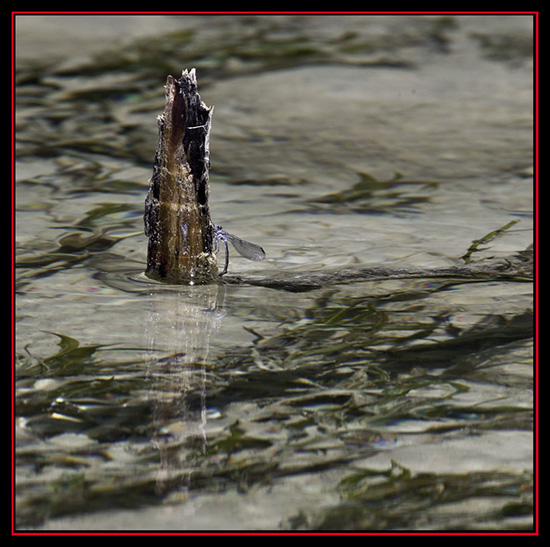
x,y
246,249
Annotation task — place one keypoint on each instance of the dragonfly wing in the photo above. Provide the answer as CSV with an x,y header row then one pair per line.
x,y
246,249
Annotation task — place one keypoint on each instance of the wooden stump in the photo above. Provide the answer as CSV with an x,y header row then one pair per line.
x,y
177,215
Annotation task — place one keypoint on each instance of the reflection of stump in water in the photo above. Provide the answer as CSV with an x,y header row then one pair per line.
x,y
180,325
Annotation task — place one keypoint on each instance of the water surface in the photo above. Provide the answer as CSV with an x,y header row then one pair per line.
x,y
336,142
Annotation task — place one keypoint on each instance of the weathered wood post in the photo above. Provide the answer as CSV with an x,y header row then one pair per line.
x,y
177,215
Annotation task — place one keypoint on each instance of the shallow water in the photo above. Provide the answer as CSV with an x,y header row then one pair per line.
x,y
336,141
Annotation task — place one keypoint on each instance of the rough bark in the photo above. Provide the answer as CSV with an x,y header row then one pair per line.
x,y
177,215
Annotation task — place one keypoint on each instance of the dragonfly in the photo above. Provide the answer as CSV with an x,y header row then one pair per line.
x,y
244,248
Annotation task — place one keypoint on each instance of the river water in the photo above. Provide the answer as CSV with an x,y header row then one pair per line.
x,y
337,141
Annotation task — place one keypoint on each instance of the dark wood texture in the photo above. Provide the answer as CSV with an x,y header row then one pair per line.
x,y
177,215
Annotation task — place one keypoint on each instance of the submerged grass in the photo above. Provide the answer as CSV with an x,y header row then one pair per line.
x,y
370,195
487,238
396,499
320,395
